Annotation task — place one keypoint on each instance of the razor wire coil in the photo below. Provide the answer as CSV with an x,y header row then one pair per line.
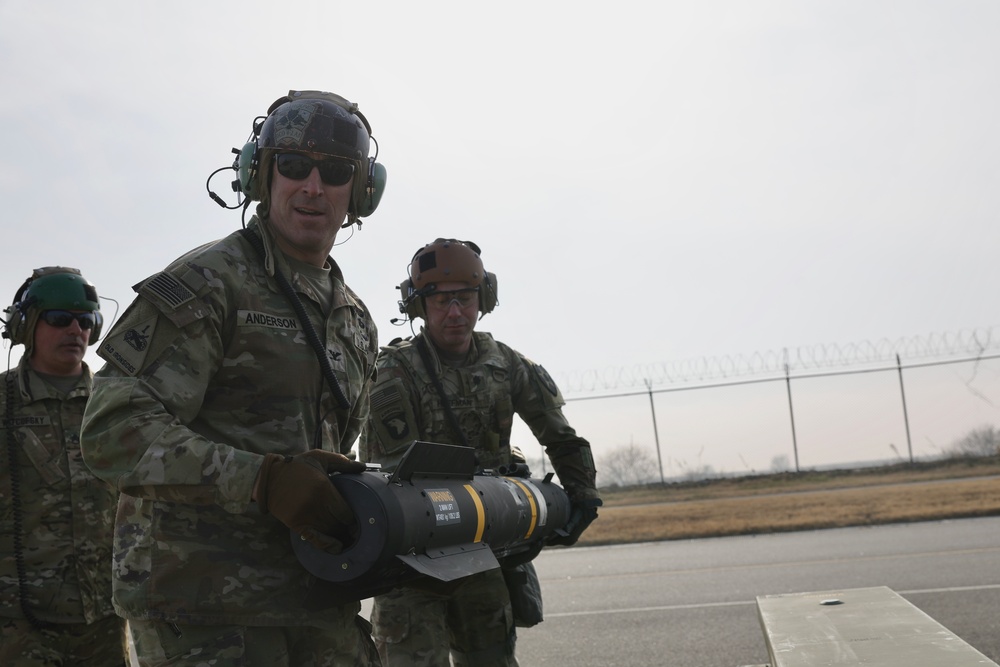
x,y
968,343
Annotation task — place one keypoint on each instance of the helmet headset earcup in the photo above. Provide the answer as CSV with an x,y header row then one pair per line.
x,y
247,168
16,316
366,201
411,304
488,294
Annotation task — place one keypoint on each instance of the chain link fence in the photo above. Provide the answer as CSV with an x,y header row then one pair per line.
x,y
828,406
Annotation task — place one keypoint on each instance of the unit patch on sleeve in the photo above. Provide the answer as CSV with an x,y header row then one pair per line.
x,y
394,424
127,348
392,415
546,380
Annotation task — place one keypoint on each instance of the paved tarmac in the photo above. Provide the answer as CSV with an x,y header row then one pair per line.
x,y
692,603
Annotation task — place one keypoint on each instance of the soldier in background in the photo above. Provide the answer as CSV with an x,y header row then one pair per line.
x,y
234,384
57,518
453,385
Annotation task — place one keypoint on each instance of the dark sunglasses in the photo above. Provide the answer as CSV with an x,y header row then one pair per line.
x,y
297,167
64,318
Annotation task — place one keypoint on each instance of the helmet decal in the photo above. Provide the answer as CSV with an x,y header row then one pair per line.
x,y
290,123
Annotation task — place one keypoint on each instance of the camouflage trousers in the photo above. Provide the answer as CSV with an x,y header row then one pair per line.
x,y
101,644
472,621
159,643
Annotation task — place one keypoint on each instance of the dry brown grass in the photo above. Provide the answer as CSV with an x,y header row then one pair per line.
x,y
797,502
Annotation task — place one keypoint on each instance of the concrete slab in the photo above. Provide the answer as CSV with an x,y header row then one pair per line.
x,y
860,626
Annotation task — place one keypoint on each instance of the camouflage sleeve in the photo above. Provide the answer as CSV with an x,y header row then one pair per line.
x,y
392,423
538,401
134,428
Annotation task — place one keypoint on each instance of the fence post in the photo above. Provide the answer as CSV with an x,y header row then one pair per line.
x,y
791,412
906,418
656,432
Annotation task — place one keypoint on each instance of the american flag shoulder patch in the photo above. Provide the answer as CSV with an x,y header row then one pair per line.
x,y
383,397
167,289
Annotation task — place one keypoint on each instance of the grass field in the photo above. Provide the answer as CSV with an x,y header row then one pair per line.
x,y
798,501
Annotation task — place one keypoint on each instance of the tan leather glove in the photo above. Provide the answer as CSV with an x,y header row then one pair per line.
x,y
297,490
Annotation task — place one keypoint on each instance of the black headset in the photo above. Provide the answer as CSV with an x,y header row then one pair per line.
x,y
17,316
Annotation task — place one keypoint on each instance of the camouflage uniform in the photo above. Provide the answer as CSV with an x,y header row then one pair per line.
x,y
67,524
494,384
208,370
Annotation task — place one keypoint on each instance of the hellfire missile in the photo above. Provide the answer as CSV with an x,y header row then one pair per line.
x,y
434,516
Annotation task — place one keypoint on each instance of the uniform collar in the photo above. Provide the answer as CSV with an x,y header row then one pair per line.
x,y
34,388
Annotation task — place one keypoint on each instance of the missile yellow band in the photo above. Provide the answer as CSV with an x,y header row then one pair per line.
x,y
531,503
480,513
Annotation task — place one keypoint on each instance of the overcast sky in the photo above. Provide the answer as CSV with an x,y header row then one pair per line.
x,y
650,181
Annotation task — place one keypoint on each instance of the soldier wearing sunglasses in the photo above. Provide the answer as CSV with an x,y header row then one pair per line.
x,y
454,385
235,383
55,548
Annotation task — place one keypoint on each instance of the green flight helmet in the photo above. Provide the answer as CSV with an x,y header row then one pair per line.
x,y
50,288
